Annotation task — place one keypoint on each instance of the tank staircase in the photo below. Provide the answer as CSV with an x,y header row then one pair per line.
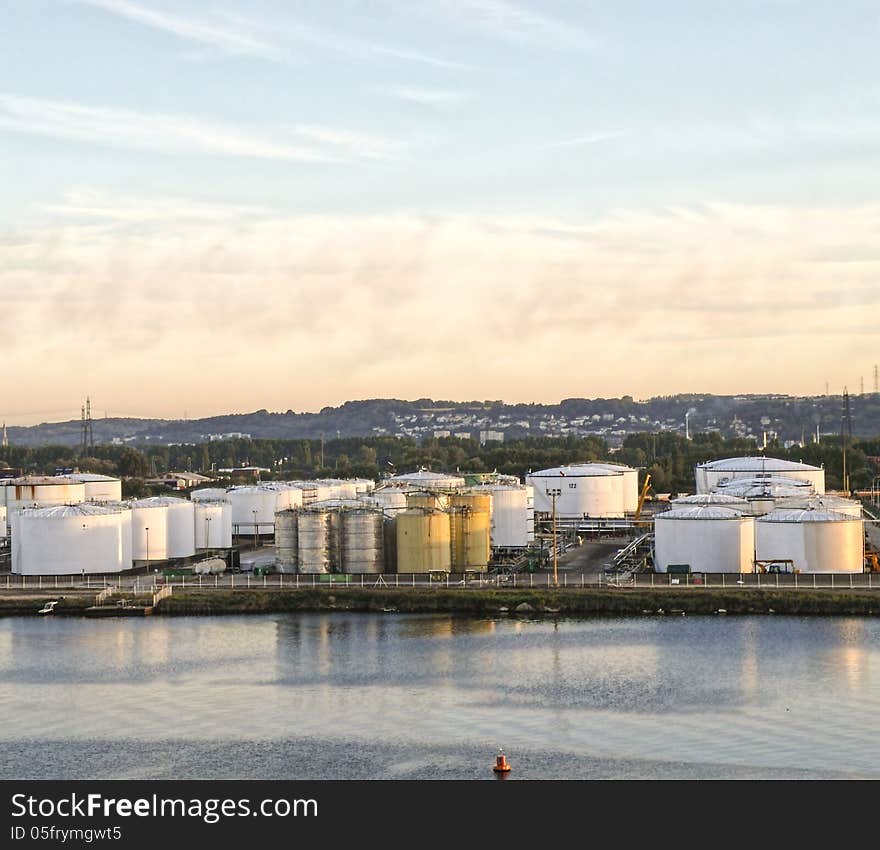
x,y
631,559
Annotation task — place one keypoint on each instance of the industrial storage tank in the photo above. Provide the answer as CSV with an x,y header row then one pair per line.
x,y
425,480
363,543
828,502
41,491
392,500
287,541
71,540
708,539
98,488
582,490
469,532
718,500
764,494
179,524
340,489
475,498
816,541
312,491
630,483
208,494
4,530
213,524
426,499
314,541
512,517
710,475
423,541
254,507
149,530
364,485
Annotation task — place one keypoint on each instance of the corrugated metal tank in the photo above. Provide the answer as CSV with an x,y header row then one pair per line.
x,y
390,535
287,541
709,539
469,538
208,494
583,490
363,541
708,476
423,541
475,498
213,524
180,525
149,530
510,515
99,488
818,541
71,539
314,541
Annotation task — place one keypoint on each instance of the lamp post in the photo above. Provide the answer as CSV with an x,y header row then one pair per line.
x,y
554,494
256,533
147,530
207,531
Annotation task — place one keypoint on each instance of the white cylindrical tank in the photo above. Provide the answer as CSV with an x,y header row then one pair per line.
x,y
71,540
817,541
510,515
287,496
708,476
392,500
582,490
312,491
254,507
41,492
848,507
708,539
364,485
149,530
425,480
213,524
630,483
340,489
208,494
179,524
718,500
99,488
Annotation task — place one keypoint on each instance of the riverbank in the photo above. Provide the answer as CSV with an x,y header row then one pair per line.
x,y
481,603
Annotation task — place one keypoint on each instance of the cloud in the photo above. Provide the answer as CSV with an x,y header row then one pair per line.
x,y
277,39
229,40
589,139
426,96
176,134
502,20
167,303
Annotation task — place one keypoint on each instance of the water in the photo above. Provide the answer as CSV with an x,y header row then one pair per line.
x,y
394,696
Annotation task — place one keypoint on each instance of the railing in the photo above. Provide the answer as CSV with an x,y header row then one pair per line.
x,y
105,594
162,593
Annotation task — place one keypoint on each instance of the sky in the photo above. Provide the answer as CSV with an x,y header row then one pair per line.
x,y
211,207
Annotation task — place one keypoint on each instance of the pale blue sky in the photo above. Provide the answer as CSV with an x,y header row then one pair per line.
x,y
387,165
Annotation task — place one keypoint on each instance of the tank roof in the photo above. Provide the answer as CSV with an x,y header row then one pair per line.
x,y
89,476
700,512
806,515
65,511
756,464
579,470
773,486
41,480
159,502
710,499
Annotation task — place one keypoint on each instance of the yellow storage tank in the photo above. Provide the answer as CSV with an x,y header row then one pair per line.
x,y
424,499
423,541
476,501
469,530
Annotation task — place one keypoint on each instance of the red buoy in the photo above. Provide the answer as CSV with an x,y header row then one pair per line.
x,y
502,765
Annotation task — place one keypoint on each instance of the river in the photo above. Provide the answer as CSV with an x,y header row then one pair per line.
x,y
335,696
